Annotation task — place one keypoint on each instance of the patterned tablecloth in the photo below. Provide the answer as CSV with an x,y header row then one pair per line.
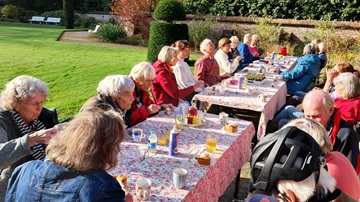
x,y
274,89
203,183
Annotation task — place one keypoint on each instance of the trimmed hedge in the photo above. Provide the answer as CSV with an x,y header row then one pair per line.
x,y
169,10
163,34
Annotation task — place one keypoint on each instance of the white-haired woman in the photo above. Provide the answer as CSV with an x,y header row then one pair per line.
x,y
233,53
115,90
206,67
302,77
143,106
337,163
243,49
164,86
253,46
347,87
23,123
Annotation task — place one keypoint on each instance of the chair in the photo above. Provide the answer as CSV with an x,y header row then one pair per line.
x,y
97,28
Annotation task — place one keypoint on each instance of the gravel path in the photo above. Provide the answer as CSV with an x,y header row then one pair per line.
x,y
87,38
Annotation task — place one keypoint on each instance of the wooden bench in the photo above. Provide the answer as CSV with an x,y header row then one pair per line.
x,y
53,20
38,19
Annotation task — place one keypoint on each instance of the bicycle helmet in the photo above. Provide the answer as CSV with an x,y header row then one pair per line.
x,y
288,154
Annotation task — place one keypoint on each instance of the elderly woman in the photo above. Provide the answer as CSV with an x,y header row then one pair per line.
x,y
227,67
164,86
115,90
233,53
142,107
347,87
337,164
183,74
302,77
243,49
253,46
206,67
23,123
78,158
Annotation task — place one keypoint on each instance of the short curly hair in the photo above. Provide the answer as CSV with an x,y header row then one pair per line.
x,y
19,89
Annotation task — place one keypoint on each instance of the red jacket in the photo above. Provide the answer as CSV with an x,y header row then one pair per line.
x,y
164,86
350,109
139,114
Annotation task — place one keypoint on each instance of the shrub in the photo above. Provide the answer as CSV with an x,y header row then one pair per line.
x,y
135,40
199,30
164,34
110,33
169,10
11,12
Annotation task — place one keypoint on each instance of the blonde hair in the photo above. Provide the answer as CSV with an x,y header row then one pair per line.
x,y
315,130
90,141
223,42
19,89
143,70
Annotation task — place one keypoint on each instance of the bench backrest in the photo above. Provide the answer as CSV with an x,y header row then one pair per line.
x,y
37,18
51,19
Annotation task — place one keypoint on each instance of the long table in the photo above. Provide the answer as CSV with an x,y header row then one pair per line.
x,y
275,90
204,183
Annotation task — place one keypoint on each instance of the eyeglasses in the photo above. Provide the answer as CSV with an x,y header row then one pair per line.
x,y
36,104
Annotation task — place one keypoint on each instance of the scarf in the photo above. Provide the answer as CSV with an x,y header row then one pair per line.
x,y
336,125
38,149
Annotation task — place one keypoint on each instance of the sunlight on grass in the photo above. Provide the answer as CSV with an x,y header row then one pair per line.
x,y
71,70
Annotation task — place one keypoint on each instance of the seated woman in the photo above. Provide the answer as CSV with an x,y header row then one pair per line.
x,y
253,46
206,67
337,164
227,67
233,53
143,106
115,90
302,77
77,161
347,87
164,86
23,123
183,74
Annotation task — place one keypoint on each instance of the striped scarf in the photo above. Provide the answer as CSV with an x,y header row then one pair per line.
x,y
38,149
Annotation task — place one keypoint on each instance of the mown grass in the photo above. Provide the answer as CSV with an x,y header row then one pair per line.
x,y
71,70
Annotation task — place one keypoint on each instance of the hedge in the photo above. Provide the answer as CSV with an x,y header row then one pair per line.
x,y
164,34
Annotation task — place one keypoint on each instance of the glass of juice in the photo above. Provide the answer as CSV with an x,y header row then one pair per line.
x,y
211,142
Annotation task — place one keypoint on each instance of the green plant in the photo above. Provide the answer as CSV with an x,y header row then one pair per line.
x,y
110,33
169,10
165,33
199,30
269,35
11,12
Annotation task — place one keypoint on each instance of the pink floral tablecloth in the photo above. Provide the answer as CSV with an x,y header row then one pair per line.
x,y
274,89
203,183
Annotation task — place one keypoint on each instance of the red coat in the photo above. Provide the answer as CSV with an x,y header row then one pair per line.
x,y
350,109
139,114
164,86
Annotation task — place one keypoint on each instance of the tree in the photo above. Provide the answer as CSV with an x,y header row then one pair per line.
x,y
68,6
135,12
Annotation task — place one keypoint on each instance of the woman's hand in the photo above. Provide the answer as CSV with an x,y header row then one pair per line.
x,y
198,84
153,108
331,74
41,136
238,58
164,106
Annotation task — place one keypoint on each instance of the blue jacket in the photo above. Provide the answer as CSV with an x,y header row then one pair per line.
x,y
302,77
46,181
247,57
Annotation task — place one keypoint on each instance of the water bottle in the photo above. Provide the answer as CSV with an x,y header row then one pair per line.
x,y
240,81
173,141
152,142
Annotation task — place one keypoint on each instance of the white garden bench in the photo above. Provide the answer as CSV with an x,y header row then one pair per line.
x,y
53,20
38,19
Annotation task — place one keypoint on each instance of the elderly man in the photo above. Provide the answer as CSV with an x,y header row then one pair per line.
x,y
318,105
206,67
302,77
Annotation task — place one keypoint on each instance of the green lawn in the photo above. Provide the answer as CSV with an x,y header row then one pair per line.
x,y
71,70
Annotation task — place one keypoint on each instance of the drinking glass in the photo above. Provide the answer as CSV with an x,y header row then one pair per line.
x,y
211,142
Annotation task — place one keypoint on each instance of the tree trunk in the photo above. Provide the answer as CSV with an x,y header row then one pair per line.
x,y
68,7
